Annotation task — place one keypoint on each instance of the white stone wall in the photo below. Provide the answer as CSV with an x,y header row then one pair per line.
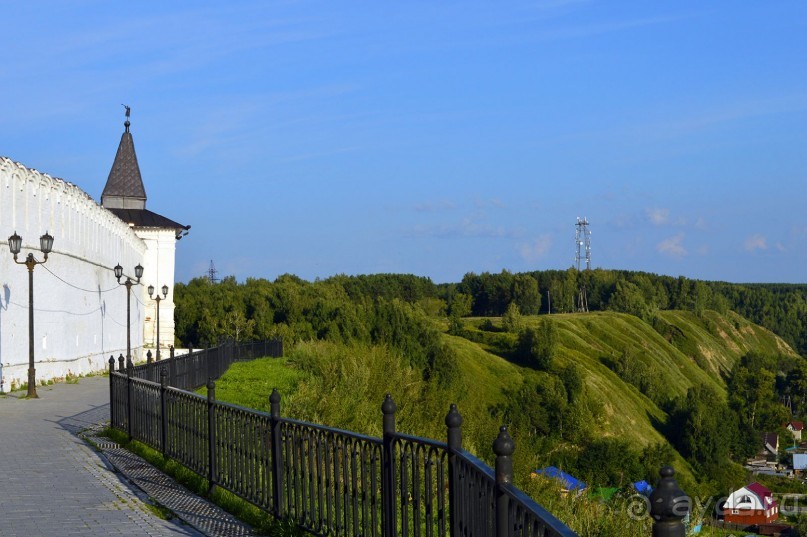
x,y
159,258
79,308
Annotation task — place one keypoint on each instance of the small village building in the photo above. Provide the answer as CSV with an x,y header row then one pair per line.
x,y
568,483
800,463
795,428
752,504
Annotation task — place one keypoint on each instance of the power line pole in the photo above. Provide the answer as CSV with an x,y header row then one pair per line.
x,y
212,273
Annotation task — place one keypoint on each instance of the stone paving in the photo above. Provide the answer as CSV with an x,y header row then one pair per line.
x,y
53,483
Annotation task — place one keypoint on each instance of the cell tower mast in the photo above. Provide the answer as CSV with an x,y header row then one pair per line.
x,y
582,239
212,272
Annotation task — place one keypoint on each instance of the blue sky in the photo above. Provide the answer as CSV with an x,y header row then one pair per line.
x,y
433,138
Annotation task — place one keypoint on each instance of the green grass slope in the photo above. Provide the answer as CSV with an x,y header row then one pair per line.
x,y
344,386
690,350
716,341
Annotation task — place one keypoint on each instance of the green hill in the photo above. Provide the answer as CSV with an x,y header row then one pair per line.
x,y
630,371
336,385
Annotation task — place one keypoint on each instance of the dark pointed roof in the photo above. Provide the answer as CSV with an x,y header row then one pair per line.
x,y
124,194
124,187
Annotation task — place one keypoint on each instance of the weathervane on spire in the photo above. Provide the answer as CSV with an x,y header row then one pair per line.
x,y
128,113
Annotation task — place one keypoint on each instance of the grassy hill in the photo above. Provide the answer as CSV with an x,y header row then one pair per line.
x,y
344,386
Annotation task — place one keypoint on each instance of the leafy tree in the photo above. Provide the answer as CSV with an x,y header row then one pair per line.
x,y
654,457
796,387
433,307
526,294
610,462
572,378
511,320
702,428
537,346
627,298
800,527
536,408
461,305
237,327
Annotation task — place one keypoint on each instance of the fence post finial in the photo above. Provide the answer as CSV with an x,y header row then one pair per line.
x,y
112,363
274,403
503,448
388,408
454,424
121,363
148,357
668,506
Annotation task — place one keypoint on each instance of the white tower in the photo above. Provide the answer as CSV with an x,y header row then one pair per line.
x,y
125,197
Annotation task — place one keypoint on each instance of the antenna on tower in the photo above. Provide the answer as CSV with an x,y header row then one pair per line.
x,y
211,273
582,239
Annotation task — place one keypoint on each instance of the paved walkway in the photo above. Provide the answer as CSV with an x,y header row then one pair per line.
x,y
53,483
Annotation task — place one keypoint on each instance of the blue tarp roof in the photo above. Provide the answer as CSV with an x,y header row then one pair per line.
x,y
643,487
568,481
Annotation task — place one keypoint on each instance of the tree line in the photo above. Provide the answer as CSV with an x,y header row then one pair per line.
x,y
260,308
406,313
778,307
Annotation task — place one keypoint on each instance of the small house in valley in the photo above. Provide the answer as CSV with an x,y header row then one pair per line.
x,y
567,482
800,463
795,428
752,504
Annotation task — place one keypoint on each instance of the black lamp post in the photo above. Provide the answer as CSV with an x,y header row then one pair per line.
x,y
128,283
46,245
158,299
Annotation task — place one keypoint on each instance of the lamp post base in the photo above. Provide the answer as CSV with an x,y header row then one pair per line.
x,y
32,383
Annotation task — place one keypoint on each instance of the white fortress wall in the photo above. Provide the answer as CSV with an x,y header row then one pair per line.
x,y
79,308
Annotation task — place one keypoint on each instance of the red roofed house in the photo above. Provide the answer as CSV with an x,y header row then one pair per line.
x,y
752,504
795,427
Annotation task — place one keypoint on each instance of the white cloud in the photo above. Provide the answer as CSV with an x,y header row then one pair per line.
x,y
536,249
672,246
494,203
657,216
434,206
755,242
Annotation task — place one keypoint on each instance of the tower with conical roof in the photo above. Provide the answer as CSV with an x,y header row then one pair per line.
x,y
125,196
124,186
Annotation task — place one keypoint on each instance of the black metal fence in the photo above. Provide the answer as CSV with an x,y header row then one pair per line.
x,y
192,370
331,481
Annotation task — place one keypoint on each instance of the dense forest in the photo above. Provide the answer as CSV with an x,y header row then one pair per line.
x,y
708,413
781,308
